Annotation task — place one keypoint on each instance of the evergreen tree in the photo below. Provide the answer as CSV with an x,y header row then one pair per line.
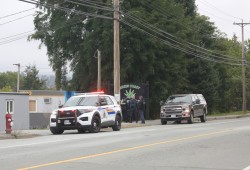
x,y
31,80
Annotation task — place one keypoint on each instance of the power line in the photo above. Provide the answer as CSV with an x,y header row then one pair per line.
x,y
179,48
159,32
216,8
16,35
97,3
27,35
244,100
175,46
17,13
174,18
14,39
66,9
91,4
219,17
228,58
15,19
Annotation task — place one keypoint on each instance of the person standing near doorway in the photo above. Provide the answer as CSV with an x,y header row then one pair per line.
x,y
141,109
125,109
133,109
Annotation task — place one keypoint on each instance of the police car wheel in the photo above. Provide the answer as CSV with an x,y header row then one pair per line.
x,y
117,125
56,130
81,130
95,125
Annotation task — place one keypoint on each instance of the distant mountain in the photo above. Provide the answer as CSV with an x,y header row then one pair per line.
x,y
49,80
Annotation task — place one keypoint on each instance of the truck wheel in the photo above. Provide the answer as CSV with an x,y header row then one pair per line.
x,y
178,121
163,122
191,119
118,123
95,125
56,130
203,117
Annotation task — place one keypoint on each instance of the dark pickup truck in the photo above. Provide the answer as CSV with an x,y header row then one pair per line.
x,y
180,107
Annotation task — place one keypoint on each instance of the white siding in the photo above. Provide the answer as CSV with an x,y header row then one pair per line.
x,y
47,107
20,112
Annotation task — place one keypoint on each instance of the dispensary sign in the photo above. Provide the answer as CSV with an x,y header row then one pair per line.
x,y
129,90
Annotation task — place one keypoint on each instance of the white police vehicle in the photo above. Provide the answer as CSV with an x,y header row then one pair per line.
x,y
87,112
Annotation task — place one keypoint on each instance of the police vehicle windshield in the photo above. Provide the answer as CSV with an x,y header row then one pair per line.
x,y
82,101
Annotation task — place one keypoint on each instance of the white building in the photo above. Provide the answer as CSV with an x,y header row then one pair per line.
x,y
41,104
17,104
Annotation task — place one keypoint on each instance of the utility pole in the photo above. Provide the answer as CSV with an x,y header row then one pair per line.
x,y
244,104
18,77
99,70
116,51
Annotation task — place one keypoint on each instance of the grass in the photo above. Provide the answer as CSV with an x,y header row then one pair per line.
x,y
226,114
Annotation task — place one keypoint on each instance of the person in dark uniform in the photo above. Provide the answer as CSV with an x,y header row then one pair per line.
x,y
133,110
124,106
141,109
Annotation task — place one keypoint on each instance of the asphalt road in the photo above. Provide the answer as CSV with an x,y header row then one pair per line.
x,y
216,145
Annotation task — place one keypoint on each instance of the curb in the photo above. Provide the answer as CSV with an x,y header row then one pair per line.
x,y
18,136
33,133
158,121
210,118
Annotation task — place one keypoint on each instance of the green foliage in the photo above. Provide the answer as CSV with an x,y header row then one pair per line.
x,y
6,89
64,79
31,80
72,38
8,81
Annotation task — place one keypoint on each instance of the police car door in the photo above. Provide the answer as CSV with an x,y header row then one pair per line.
x,y
103,109
111,111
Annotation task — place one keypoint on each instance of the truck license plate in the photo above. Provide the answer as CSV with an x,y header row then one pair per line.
x,y
173,115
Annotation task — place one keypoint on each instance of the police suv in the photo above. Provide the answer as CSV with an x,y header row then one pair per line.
x,y
87,112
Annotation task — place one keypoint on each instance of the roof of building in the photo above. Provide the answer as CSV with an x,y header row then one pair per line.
x,y
44,92
13,93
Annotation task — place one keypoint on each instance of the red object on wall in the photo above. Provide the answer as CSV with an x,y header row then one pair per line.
x,y
8,118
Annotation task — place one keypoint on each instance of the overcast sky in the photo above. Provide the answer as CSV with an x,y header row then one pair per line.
x,y
223,12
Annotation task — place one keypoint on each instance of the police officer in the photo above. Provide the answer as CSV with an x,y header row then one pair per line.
x,y
141,109
124,107
133,110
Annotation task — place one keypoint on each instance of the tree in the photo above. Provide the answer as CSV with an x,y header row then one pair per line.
x,y
8,80
189,7
64,78
6,89
147,54
230,89
31,80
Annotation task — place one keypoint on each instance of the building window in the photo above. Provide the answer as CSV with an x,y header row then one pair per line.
x,y
32,106
10,106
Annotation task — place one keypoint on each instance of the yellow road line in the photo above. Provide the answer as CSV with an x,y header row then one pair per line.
x,y
126,149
